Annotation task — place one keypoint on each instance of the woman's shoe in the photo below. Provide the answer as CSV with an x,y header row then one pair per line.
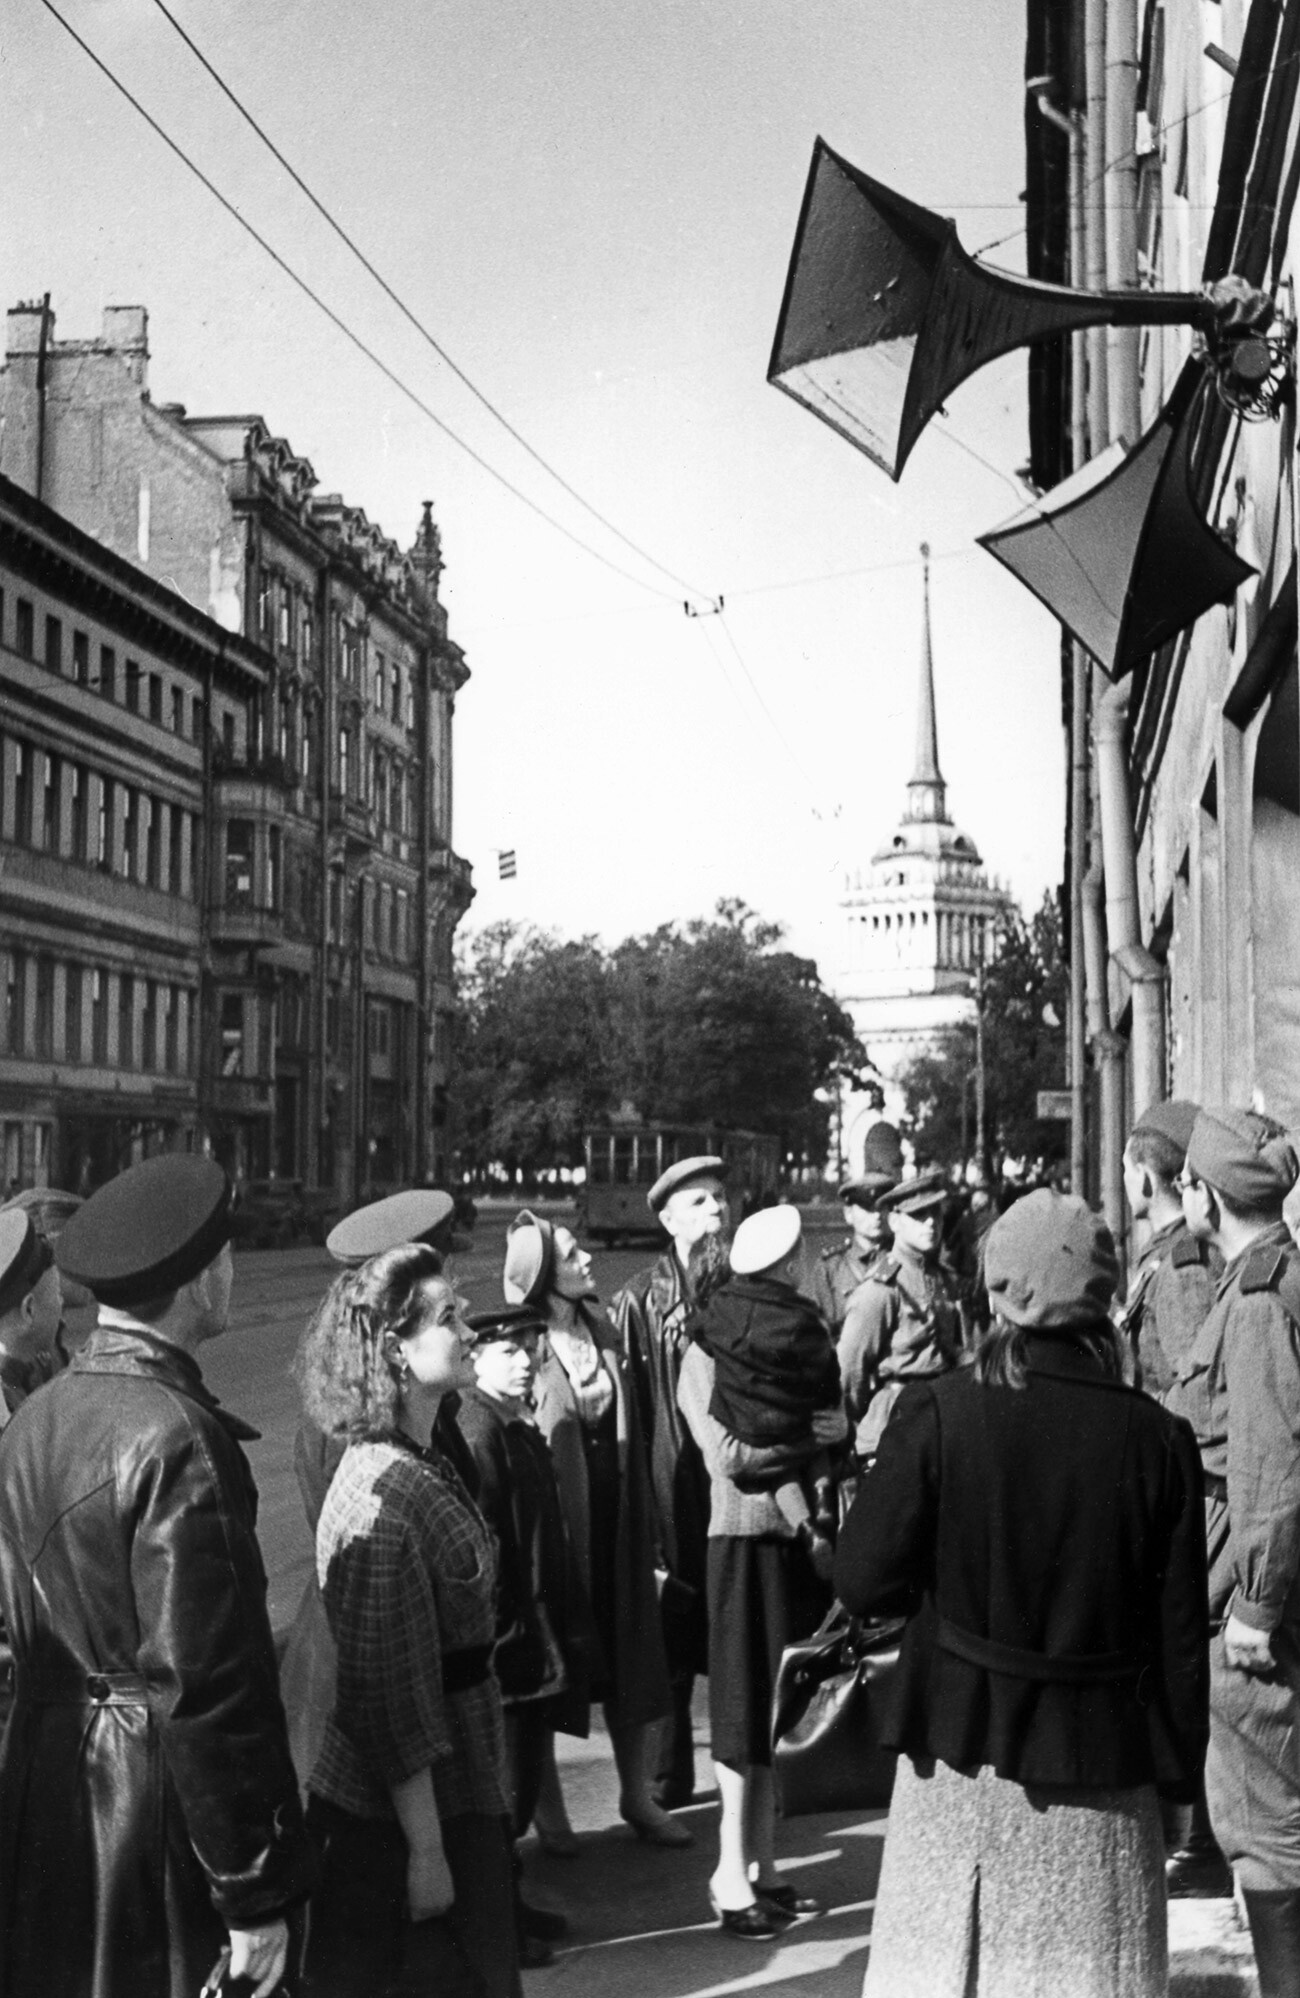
x,y
659,1829
752,1924
788,1903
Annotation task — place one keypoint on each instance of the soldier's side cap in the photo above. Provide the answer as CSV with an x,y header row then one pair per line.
x,y
414,1216
530,1259
767,1237
505,1321
705,1166
150,1230
1049,1261
1174,1121
1244,1156
917,1195
25,1255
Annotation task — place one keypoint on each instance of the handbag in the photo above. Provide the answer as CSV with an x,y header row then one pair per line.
x,y
826,1749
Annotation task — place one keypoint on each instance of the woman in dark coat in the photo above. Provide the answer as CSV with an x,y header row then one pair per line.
x,y
1042,1522
589,1420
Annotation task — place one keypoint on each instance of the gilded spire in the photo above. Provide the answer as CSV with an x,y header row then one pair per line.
x,y
926,790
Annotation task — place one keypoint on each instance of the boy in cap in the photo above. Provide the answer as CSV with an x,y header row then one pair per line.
x,y
1174,1280
903,1322
689,1200
1239,1386
150,1808
839,1270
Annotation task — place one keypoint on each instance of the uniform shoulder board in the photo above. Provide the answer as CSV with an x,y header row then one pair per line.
x,y
1187,1250
885,1271
1263,1267
829,1255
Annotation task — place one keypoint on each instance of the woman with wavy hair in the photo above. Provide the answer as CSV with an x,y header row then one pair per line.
x,y
1041,1524
406,1797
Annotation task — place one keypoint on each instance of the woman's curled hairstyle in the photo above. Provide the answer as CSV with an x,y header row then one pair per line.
x,y
347,1380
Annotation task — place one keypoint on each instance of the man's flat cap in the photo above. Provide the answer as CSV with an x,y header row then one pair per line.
x,y
150,1230
1049,1261
681,1174
415,1216
25,1255
1244,1156
1174,1121
505,1321
917,1195
530,1259
764,1239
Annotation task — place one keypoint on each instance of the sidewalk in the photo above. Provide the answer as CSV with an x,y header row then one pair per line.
x,y
641,1923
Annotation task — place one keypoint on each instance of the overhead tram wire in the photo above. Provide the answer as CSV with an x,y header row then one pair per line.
x,y
412,318
342,326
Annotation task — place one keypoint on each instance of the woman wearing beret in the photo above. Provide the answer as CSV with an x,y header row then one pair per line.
x,y
406,1796
1041,1523
590,1422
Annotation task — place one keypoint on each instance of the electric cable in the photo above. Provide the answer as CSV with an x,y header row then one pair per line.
x,y
341,324
410,316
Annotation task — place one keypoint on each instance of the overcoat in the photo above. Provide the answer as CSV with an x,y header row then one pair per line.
x,y
1050,1544
638,1670
147,1799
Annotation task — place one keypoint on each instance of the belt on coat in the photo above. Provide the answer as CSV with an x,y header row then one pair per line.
x,y
80,1689
1082,1668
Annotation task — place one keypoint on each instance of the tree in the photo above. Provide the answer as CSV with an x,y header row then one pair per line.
x,y
708,1022
1023,1007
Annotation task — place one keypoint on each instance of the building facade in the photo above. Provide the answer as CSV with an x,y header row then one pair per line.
x,y
915,926
330,890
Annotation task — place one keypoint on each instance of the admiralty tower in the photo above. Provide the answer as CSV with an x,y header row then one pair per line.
x,y
914,924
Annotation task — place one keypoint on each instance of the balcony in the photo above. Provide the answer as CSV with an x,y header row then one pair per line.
x,y
451,878
238,921
355,820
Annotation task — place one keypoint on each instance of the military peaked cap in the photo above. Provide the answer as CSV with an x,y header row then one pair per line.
x,y
505,1321
704,1166
25,1255
415,1216
917,1195
150,1230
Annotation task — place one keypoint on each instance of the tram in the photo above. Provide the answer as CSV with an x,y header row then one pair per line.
x,y
625,1160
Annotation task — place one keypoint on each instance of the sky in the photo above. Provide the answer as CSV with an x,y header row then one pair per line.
x,y
591,208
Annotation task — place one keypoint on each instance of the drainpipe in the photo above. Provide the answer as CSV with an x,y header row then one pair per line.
x,y
325,710
1123,922
1108,1053
1094,213
1120,198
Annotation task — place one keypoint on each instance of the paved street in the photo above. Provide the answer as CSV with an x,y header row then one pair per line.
x,y
640,1917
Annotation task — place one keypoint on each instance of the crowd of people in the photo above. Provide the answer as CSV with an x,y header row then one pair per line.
x,y
1086,1509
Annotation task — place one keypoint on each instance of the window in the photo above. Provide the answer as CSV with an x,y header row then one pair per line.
x,y
108,672
343,762
228,735
380,1028
283,744
24,628
13,1154
54,644
78,785
99,1016
44,1037
232,1032
304,752
178,711
80,658
196,718
286,626
101,830
379,788
22,794
402,950
396,710
392,926
410,703
156,698
129,864
333,1020
306,634
381,682
273,867
191,1038
335,906
175,829
171,1023
50,806
149,1026
152,838
16,1003
72,1013
133,685
126,1021
264,608
239,864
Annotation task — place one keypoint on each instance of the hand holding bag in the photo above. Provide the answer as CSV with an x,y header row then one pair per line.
x,y
826,1752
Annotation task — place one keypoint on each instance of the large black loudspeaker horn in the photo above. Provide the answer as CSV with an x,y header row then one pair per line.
x,y
884,312
1120,552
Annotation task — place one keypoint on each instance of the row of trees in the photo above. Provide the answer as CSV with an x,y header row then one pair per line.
x,y
706,1022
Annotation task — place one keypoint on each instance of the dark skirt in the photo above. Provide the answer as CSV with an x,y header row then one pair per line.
x,y
762,1595
360,1937
600,1450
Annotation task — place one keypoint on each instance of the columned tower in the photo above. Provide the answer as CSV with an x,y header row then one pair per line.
x,y
918,920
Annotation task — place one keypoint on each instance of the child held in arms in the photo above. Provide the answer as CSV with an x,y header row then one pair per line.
x,y
774,1368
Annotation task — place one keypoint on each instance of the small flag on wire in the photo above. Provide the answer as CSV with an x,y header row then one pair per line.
x,y
507,866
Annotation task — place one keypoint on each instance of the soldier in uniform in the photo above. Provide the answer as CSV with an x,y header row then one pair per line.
x,y
1240,1388
839,1270
690,1202
1174,1280
903,1323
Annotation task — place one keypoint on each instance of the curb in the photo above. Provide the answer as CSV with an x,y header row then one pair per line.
x,y
1209,1951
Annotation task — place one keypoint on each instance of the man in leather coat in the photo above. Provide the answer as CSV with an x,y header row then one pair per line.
x,y
149,1812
